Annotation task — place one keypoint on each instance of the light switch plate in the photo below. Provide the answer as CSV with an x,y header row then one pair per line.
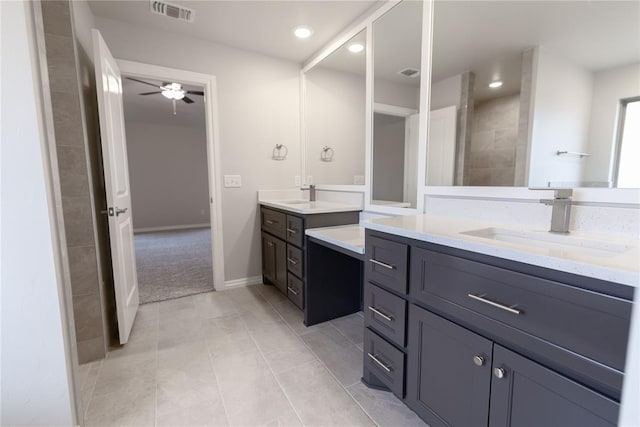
x,y
232,181
358,179
296,181
309,180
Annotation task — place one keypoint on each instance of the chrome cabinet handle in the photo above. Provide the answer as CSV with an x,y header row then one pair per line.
x,y
268,221
494,304
270,244
499,372
382,264
292,231
478,360
293,291
120,210
382,365
381,314
292,261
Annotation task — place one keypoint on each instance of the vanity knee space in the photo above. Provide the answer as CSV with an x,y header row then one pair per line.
x,y
475,339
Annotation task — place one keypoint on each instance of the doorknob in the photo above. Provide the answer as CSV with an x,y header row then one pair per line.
x,y
120,210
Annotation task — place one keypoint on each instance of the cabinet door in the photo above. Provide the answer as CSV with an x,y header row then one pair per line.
x,y
524,393
449,371
274,267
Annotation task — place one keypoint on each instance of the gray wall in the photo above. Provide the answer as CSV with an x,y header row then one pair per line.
x,y
168,174
388,157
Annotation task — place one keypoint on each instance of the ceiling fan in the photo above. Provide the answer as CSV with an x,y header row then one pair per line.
x,y
172,91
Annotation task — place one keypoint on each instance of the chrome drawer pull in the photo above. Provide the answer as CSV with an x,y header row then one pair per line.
x,y
494,304
383,264
292,261
270,244
268,221
293,291
292,231
381,314
382,365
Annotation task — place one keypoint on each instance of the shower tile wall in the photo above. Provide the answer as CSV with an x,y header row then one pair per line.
x,y
493,142
77,205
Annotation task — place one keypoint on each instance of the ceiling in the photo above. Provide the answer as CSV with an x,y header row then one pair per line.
x,y
157,108
260,26
488,36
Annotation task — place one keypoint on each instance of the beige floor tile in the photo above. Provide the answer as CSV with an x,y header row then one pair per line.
x,y
213,304
227,335
352,327
122,374
385,409
281,348
133,407
340,355
203,414
319,400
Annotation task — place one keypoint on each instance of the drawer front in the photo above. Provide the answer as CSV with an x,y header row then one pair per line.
x,y
273,222
295,290
588,323
385,313
294,260
386,263
295,230
384,361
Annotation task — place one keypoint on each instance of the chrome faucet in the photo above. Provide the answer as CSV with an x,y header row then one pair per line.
x,y
312,192
561,212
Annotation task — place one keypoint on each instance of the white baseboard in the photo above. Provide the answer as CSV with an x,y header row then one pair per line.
x,y
171,227
246,281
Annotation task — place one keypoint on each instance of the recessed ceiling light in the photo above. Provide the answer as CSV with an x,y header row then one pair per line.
x,y
496,84
302,32
356,47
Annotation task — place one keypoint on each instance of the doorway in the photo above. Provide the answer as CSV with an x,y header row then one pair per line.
x,y
171,147
167,160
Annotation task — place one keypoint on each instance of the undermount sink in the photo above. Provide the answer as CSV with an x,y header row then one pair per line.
x,y
556,242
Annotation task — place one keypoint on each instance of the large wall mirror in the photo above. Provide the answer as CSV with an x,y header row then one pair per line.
x,y
397,43
334,116
535,93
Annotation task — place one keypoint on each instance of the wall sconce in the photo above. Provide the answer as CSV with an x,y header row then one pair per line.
x,y
279,152
326,155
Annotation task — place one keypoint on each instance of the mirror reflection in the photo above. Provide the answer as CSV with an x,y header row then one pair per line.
x,y
396,56
335,116
534,93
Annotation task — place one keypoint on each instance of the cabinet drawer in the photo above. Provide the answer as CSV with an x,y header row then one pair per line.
x,y
294,260
295,230
385,362
295,290
387,263
385,313
273,222
588,323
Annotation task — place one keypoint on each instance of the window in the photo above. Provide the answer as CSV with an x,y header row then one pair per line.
x,y
628,153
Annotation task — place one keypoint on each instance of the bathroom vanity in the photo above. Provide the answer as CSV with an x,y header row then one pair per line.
x,y
283,225
469,327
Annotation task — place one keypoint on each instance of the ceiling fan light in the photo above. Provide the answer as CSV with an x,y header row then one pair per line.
x,y
178,95
167,94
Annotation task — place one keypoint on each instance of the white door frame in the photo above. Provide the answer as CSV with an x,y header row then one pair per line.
x,y
156,72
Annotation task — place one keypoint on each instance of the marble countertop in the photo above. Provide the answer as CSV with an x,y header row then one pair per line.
x,y
350,237
306,207
602,257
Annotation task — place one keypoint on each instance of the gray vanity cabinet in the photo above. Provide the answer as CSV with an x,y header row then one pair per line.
x,y
448,372
283,246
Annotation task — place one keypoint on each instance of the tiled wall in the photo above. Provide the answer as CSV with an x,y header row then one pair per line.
x,y
463,127
493,142
78,211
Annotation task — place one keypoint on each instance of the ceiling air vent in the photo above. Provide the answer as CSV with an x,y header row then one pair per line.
x,y
172,11
409,72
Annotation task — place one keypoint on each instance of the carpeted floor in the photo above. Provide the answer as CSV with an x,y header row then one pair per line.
x,y
172,264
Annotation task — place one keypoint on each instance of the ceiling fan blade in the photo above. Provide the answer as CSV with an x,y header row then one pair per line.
x,y
195,92
150,93
187,100
142,81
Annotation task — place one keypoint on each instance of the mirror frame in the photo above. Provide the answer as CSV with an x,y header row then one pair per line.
x,y
619,197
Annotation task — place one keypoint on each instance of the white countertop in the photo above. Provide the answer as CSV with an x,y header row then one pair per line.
x,y
621,267
350,237
306,207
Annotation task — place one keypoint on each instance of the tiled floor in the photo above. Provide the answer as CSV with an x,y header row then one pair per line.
x,y
239,357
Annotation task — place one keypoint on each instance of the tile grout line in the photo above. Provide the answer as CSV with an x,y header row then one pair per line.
x,y
320,360
213,367
155,397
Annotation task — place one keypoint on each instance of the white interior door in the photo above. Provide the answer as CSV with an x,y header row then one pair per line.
x,y
116,174
441,148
